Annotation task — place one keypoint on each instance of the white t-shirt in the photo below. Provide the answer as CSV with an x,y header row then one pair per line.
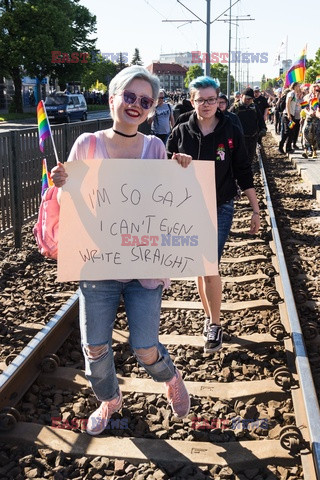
x,y
161,121
293,102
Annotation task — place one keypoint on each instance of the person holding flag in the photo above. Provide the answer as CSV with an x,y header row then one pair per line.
x,y
132,96
290,119
311,127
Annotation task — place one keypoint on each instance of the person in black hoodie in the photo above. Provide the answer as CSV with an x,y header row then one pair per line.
x,y
210,135
252,122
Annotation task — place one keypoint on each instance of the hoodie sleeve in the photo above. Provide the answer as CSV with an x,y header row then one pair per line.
x,y
172,143
240,162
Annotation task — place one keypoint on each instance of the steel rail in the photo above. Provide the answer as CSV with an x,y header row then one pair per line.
x,y
302,362
26,367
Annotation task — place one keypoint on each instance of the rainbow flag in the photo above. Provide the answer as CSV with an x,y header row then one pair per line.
x,y
291,124
46,180
43,124
317,78
314,103
304,104
297,72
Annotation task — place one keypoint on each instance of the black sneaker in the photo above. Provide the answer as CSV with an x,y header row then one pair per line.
x,y
205,328
214,339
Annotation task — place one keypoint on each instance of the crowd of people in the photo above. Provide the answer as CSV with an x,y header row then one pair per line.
x,y
204,125
295,111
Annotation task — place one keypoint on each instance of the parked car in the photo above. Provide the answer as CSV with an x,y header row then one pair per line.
x,y
64,107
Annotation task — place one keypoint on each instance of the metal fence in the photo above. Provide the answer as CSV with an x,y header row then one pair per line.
x,y
21,169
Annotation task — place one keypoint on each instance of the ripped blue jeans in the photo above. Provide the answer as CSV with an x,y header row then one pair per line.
x,y
99,301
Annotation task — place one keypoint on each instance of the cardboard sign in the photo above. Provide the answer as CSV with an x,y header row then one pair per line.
x,y
133,218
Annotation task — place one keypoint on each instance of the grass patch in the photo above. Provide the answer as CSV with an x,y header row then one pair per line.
x,y
94,108
6,117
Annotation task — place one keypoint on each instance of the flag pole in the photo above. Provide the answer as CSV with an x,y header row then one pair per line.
x,y
53,144
305,65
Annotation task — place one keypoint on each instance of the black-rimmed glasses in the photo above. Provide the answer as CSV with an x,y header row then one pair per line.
x,y
203,101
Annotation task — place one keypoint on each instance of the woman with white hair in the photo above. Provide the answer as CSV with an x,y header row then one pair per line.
x,y
132,95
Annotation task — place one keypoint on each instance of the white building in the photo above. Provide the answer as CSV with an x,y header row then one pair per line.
x,y
182,58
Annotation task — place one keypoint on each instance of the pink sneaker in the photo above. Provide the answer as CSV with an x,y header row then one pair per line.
x,y
178,396
99,419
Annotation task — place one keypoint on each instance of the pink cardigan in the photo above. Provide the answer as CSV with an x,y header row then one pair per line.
x,y
153,147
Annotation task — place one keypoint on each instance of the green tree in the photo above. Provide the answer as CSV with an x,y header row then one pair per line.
x,y
136,59
263,82
193,72
100,70
30,30
313,68
121,63
220,72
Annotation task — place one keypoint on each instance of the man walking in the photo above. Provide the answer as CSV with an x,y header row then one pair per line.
x,y
251,120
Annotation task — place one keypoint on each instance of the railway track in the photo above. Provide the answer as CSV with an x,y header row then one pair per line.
x,y
254,410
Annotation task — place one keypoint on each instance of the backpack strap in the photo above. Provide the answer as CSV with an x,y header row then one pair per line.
x,y
92,146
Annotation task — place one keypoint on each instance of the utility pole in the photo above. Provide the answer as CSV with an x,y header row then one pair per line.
x,y
208,39
208,25
229,76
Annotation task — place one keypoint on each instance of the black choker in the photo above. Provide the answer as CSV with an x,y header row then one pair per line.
x,y
124,134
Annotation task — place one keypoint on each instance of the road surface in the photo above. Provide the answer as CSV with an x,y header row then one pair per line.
x,y
31,122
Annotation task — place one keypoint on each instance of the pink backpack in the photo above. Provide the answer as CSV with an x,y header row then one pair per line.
x,y
47,227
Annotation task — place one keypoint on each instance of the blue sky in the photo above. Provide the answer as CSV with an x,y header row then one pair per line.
x,y
128,24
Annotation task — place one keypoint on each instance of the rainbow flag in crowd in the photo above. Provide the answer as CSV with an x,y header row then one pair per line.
x,y
297,71
318,79
46,180
291,124
304,104
314,103
43,124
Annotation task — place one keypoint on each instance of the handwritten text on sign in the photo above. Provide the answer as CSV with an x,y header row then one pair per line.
x,y
130,218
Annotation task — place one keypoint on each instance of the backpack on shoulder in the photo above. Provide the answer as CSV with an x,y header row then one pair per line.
x,y
46,230
282,103
47,227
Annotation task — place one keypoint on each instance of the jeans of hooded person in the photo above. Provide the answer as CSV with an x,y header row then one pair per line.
x,y
99,301
225,217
